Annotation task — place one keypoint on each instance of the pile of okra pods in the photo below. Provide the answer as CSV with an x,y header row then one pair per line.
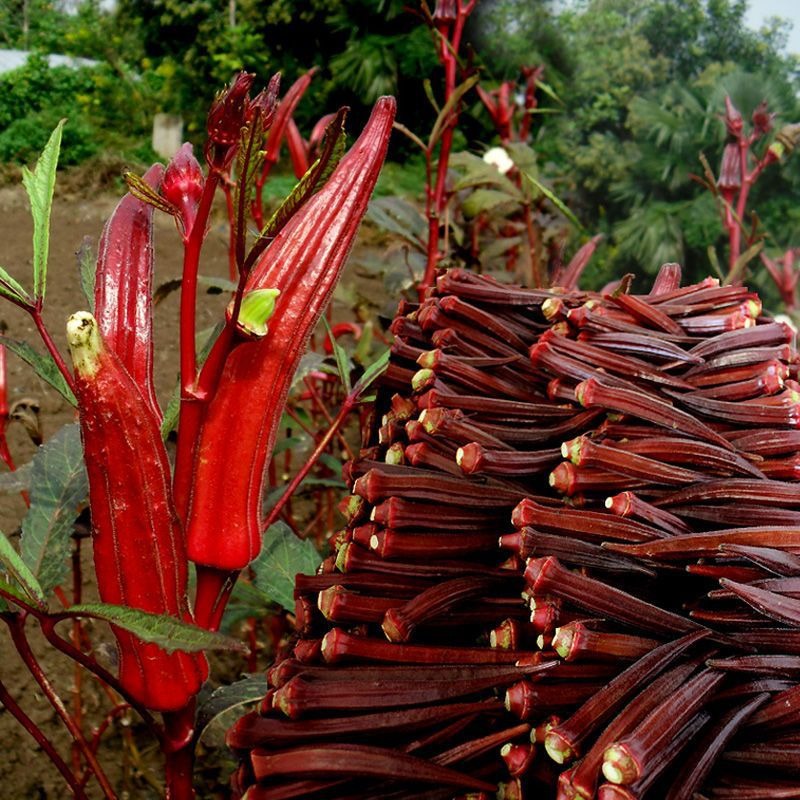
x,y
571,567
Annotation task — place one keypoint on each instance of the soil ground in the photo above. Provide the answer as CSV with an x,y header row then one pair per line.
x,y
133,768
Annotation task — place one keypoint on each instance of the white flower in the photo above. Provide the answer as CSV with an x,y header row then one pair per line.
x,y
500,158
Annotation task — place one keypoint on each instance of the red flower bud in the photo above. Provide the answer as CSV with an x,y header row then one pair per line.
x,y
445,11
183,185
228,111
733,119
762,119
265,102
730,173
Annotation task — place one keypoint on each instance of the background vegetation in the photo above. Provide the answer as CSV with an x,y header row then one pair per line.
x,y
638,89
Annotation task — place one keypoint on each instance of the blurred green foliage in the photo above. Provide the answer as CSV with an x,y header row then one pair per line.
x,y
638,87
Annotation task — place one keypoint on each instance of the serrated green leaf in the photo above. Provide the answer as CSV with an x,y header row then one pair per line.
x,y
342,359
39,184
167,632
43,366
485,200
283,555
14,592
58,488
555,200
227,703
18,569
373,372
87,269
144,192
12,290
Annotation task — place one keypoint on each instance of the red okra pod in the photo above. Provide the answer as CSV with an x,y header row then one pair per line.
x,y
515,336
338,645
778,561
593,525
303,263
787,666
421,454
547,575
650,315
720,379
400,622
455,282
576,641
491,407
584,452
302,695
768,381
571,550
570,480
395,544
628,504
379,484
563,740
766,492
632,757
585,774
695,545
139,554
474,458
745,514
761,413
665,758
253,730
476,747
124,286
769,335
771,604
341,605
640,345
452,424
591,393
397,512
330,760
739,358
666,281
767,442
679,450
528,700
612,362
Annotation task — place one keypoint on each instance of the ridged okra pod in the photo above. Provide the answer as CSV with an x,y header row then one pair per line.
x,y
138,549
303,263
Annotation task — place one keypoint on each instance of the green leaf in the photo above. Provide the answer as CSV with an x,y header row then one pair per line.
x,y
342,359
39,184
373,372
167,632
17,481
485,200
14,592
556,201
87,269
449,108
59,486
43,366
12,290
283,555
144,192
227,703
18,569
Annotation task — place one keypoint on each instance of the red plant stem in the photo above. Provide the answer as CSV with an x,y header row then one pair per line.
x,y
435,193
192,407
115,712
16,627
8,703
322,445
77,700
226,190
533,247
178,748
320,404
36,316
